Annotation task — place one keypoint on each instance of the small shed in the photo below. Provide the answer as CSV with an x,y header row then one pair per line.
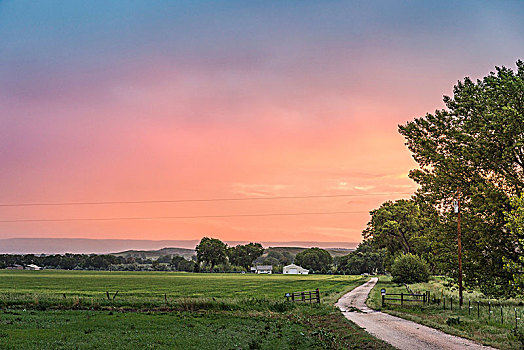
x,y
268,269
294,270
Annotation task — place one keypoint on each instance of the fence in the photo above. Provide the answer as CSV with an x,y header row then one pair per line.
x,y
311,296
406,297
496,311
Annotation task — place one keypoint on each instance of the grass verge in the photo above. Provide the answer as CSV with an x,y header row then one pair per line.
x,y
486,329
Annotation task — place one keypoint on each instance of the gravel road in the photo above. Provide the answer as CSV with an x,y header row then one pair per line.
x,y
400,333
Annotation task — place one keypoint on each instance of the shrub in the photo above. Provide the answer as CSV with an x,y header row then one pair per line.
x,y
409,268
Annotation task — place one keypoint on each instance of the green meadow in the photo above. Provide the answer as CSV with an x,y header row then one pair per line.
x,y
164,310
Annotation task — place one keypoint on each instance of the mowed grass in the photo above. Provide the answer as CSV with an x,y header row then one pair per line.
x,y
151,285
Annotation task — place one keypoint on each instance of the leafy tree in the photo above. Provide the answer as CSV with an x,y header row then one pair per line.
x,y
316,259
398,227
409,268
474,145
211,251
244,255
515,222
365,259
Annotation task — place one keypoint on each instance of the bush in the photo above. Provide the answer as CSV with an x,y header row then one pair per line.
x,y
409,268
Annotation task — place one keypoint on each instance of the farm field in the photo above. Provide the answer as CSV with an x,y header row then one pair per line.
x,y
70,309
155,286
491,328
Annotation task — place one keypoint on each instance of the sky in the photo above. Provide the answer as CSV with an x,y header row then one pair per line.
x,y
172,100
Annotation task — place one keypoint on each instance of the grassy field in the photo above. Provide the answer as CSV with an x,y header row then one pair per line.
x,y
490,328
70,309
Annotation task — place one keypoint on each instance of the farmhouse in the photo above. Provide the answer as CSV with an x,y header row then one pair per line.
x,y
262,269
294,270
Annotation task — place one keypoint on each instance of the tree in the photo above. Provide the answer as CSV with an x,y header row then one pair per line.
x,y
365,259
316,259
475,148
244,255
409,268
515,222
211,251
398,227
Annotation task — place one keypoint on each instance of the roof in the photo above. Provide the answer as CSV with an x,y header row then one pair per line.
x,y
264,267
293,266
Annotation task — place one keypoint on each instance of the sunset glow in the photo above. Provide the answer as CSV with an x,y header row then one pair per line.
x,y
129,101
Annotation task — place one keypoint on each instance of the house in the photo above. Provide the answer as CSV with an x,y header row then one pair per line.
x,y
262,269
15,267
294,270
33,267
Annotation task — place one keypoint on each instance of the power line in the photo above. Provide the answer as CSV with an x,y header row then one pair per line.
x,y
196,200
182,217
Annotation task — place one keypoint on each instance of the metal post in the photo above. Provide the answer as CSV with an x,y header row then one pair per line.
x,y
469,307
383,296
501,315
402,299
478,309
489,311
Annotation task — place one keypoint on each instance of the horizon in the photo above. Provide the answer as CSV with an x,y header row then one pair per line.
x,y
104,246
242,121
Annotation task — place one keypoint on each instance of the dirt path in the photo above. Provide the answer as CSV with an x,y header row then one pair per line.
x,y
400,333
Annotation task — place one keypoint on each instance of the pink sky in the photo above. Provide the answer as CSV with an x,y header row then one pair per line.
x,y
288,101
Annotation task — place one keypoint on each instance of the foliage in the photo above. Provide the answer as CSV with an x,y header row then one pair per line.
x,y
365,259
244,255
409,268
314,259
474,145
515,223
211,251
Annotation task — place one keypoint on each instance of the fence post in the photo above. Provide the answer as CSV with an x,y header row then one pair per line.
x,y
293,296
428,295
489,311
516,319
318,296
478,309
501,315
383,296
469,307
401,299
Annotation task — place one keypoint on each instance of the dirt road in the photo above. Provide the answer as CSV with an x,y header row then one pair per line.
x,y
400,333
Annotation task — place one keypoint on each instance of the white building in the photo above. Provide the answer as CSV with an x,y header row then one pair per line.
x,y
33,267
294,270
262,269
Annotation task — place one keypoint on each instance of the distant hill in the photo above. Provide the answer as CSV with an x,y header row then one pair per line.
x,y
155,254
188,253
106,246
295,250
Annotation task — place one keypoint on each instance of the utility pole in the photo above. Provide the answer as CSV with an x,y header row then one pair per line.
x,y
459,241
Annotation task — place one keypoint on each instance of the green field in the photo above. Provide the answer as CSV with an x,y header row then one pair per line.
x,y
164,310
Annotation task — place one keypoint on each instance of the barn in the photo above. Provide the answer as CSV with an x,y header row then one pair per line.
x,y
294,270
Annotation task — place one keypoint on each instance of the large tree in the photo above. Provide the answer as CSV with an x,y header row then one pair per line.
x,y
244,255
211,251
316,259
474,148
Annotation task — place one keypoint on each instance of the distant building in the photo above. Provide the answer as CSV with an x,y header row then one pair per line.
x,y
33,267
15,267
262,269
294,270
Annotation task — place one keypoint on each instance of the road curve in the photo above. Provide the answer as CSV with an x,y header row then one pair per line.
x,y
402,334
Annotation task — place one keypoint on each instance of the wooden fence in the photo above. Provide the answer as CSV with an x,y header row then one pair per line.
x,y
406,297
311,296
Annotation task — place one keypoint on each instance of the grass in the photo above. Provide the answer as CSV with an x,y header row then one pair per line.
x,y
487,329
203,311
